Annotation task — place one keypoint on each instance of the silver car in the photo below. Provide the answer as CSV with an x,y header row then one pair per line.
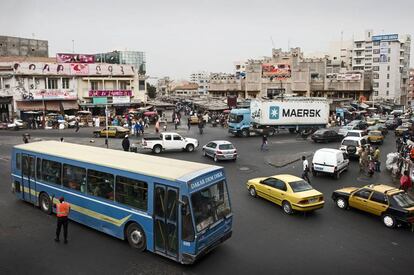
x,y
220,150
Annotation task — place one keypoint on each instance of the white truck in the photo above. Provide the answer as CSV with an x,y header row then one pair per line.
x,y
169,141
293,113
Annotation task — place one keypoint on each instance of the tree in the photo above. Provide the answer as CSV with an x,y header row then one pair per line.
x,y
151,90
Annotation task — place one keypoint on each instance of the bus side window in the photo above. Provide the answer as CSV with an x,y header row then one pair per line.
x,y
131,192
187,223
18,161
51,171
39,168
74,177
100,184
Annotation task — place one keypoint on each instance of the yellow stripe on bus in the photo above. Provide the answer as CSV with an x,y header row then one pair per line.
x,y
85,211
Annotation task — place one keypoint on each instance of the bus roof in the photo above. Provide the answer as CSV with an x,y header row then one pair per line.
x,y
165,168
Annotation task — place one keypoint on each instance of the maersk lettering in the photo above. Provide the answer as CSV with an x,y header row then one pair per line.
x,y
301,113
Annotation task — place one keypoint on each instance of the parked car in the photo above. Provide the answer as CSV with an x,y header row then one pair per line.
x,y
359,124
391,124
393,205
220,150
290,192
357,133
325,135
113,131
375,137
3,125
17,124
329,161
169,141
352,145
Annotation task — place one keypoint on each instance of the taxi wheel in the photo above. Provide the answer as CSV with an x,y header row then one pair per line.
x,y
389,221
287,208
252,192
341,203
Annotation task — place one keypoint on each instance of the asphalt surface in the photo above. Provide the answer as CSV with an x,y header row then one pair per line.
x,y
264,241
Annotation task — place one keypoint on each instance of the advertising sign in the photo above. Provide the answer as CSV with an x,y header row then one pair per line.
x,y
279,71
100,93
385,37
100,100
50,95
75,58
79,69
345,77
41,68
121,99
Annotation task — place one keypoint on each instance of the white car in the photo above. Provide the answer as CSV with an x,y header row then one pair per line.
x,y
169,141
17,123
220,150
353,145
329,161
343,131
357,133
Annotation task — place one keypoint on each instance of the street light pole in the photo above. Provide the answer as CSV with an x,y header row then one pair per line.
x,y
106,126
44,110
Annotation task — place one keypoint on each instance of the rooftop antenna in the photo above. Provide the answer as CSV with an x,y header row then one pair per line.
x,y
288,45
273,42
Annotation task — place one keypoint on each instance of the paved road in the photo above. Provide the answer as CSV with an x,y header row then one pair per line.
x,y
265,240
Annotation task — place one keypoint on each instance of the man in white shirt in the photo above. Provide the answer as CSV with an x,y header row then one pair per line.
x,y
306,169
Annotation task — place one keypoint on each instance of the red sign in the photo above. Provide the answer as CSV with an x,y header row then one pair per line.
x,y
97,93
279,71
75,58
79,69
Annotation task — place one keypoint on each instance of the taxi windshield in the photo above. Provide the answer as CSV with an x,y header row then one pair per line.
x,y
300,186
404,200
210,205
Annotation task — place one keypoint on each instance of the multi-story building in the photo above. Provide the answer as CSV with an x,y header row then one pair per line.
x,y
43,84
17,46
410,93
387,56
184,89
163,86
202,80
135,58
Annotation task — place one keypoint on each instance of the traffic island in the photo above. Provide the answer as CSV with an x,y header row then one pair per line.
x,y
281,160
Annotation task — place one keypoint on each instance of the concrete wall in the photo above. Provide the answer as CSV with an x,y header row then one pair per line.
x,y
16,46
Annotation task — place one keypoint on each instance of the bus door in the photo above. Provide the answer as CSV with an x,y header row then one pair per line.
x,y
166,220
28,178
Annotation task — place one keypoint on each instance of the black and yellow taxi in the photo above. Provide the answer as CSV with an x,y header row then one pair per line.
x,y
393,205
375,137
113,131
288,191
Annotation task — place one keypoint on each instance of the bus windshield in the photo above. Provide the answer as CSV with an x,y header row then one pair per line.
x,y
210,205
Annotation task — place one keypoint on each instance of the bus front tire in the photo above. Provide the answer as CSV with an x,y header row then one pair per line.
x,y
45,203
136,237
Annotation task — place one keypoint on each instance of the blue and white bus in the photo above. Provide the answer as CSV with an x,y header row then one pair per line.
x,y
175,208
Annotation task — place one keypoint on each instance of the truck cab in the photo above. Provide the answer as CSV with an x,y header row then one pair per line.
x,y
239,122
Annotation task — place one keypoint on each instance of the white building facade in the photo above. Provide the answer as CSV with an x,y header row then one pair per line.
x,y
202,80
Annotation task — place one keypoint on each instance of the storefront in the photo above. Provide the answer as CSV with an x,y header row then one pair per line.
x,y
60,106
6,108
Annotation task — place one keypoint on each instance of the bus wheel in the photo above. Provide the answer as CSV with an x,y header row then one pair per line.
x,y
45,203
136,237
245,133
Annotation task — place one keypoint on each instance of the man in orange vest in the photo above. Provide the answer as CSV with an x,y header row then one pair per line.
x,y
62,213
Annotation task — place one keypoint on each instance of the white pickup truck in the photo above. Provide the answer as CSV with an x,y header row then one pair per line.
x,y
169,141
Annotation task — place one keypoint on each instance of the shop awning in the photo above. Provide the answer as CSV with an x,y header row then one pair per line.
x,y
29,105
70,105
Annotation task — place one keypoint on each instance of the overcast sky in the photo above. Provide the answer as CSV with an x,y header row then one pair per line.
x,y
184,36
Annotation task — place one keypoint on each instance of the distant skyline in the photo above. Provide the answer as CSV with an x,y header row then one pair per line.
x,y
183,36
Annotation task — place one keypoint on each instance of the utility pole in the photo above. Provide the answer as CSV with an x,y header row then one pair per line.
x,y
73,46
106,126
44,110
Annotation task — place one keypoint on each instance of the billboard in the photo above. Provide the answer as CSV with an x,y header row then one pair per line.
x,y
279,71
385,37
50,95
75,58
348,76
106,93
121,99
94,69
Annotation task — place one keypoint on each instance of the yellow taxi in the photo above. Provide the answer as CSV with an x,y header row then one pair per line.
x,y
375,137
371,121
194,119
113,131
393,205
288,191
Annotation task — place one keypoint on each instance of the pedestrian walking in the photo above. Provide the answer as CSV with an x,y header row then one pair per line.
x,y
377,155
363,159
26,138
405,181
62,213
157,127
306,169
176,121
263,147
189,123
200,125
137,128
77,126
125,143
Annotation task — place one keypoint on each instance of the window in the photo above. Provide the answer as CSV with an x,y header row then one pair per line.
x,y
51,171
52,83
122,85
18,161
300,186
176,137
141,85
388,76
187,233
167,137
74,177
387,93
131,192
388,68
388,84
389,50
375,84
101,184
375,76
28,166
94,85
375,68
363,193
376,51
378,197
65,83
375,59
39,168
375,93
376,43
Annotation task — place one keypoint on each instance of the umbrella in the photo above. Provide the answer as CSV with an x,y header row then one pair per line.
x,y
150,113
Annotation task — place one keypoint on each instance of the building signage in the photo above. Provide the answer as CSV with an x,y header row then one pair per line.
x,y
121,99
279,71
385,37
274,112
206,180
100,93
74,58
100,100
344,77
95,69
50,95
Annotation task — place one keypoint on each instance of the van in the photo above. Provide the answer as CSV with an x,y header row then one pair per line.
x,y
353,145
329,161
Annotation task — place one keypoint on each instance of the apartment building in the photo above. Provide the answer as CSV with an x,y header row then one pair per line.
x,y
202,79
